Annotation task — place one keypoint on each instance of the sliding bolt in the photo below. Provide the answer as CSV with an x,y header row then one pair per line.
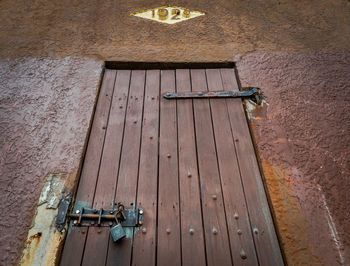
x,y
215,231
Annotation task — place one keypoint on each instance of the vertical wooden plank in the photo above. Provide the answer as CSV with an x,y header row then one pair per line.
x,y
97,238
120,253
74,248
242,244
217,243
168,248
265,238
144,250
193,248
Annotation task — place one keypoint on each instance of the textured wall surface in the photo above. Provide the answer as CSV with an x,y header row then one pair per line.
x,y
49,78
45,110
303,140
105,30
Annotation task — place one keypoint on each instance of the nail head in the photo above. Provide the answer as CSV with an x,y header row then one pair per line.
x,y
243,254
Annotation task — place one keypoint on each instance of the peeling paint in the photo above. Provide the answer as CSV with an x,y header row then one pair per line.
x,y
43,239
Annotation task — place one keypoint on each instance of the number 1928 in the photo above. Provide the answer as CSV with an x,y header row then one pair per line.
x,y
163,13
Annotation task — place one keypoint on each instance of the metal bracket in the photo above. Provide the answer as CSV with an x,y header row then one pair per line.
x,y
253,93
63,210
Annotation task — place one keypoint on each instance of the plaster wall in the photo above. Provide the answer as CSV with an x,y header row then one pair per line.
x,y
302,137
297,51
45,109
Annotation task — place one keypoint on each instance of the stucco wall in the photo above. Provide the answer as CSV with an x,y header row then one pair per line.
x,y
105,30
302,136
51,56
45,110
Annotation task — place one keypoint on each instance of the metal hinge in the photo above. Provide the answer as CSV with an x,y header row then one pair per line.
x,y
255,94
116,219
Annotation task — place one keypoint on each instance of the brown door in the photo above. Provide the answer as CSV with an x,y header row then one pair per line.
x,y
191,166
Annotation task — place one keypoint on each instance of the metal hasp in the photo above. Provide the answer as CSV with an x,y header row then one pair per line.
x,y
116,219
253,93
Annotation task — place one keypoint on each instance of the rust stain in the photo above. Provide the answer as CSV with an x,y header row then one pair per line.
x,y
32,248
290,222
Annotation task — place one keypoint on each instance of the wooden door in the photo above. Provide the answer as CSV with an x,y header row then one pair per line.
x,y
191,166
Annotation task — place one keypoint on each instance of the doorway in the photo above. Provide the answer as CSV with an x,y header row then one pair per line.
x,y
189,164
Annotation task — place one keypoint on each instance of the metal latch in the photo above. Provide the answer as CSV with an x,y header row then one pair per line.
x,y
116,219
254,94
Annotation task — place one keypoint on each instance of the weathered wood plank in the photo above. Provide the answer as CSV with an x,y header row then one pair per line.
x,y
241,239
193,247
265,238
216,238
97,238
144,249
120,253
73,250
169,239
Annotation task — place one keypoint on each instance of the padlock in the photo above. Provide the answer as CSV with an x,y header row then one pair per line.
x,y
117,232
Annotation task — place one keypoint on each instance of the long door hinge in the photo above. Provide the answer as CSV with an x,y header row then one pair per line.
x,y
252,93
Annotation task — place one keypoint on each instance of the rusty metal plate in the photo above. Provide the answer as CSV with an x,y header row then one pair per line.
x,y
168,14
